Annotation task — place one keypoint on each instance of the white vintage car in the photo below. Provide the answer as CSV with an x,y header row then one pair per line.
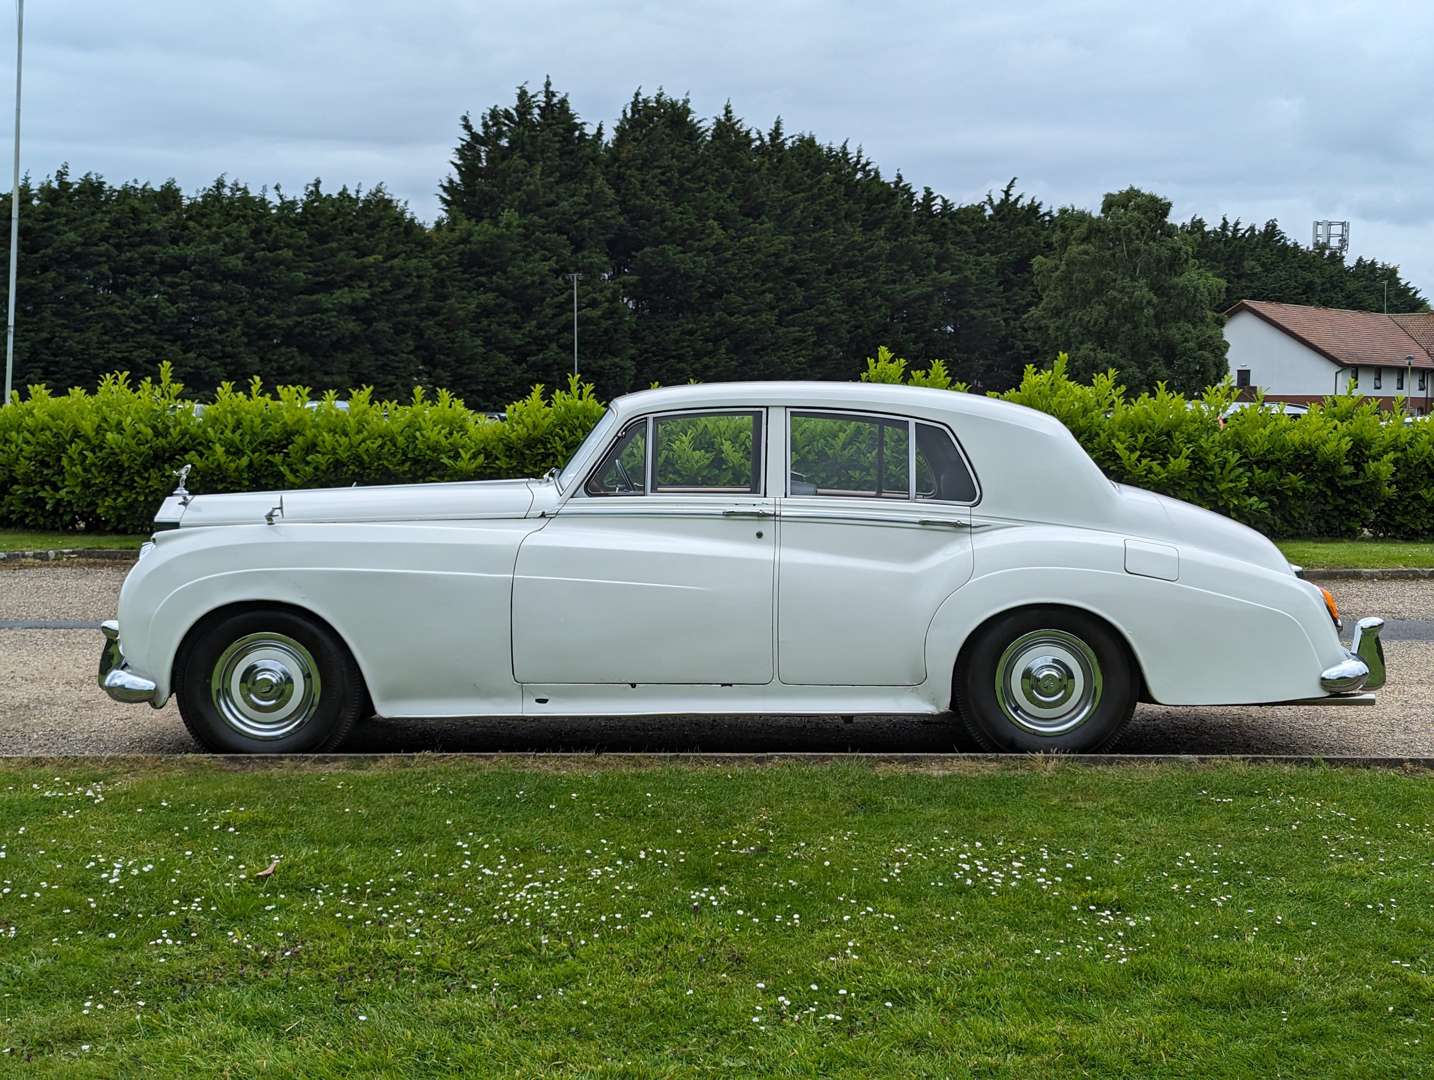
x,y
813,548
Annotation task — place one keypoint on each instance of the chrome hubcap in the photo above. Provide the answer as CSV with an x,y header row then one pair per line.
x,y
265,685
1048,682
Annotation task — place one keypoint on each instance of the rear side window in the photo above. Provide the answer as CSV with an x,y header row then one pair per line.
x,y
851,456
941,474
873,457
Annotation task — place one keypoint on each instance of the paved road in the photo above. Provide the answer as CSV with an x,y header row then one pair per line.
x,y
49,703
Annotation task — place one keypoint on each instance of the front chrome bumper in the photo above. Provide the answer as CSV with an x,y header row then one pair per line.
x,y
115,678
1363,665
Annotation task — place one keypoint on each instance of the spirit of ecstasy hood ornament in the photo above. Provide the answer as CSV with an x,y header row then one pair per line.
x,y
183,475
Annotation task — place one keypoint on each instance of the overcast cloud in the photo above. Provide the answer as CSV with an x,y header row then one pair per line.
x,y
1279,109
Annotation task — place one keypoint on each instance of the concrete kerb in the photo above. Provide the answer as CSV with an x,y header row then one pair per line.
x,y
67,554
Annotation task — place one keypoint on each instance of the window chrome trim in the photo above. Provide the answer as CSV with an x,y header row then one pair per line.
x,y
911,422
758,415
649,451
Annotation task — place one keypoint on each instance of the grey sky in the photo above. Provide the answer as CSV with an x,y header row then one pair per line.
x,y
1279,109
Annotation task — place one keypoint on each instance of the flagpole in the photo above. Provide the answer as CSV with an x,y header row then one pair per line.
x,y
14,208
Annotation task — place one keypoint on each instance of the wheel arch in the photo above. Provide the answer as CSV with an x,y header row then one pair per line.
x,y
970,638
238,607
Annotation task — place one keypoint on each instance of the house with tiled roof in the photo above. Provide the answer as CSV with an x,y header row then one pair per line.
x,y
1298,353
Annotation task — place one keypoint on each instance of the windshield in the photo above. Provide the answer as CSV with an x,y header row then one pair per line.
x,y
597,435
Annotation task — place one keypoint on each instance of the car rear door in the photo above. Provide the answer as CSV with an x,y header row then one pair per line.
x,y
875,534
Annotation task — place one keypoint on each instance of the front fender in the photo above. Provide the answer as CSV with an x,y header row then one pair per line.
x,y
423,608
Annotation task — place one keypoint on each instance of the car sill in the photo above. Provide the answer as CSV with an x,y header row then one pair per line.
x,y
1368,697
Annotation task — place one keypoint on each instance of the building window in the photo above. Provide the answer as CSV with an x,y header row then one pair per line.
x,y
1378,378
1423,380
1399,380
1242,377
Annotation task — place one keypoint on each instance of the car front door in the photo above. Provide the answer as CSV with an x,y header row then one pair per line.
x,y
875,534
659,569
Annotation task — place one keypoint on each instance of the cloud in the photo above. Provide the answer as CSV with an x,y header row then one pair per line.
x,y
1227,108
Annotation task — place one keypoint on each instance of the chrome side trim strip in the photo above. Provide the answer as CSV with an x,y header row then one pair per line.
x,y
608,509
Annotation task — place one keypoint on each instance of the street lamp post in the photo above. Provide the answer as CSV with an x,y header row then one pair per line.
x,y
573,277
14,208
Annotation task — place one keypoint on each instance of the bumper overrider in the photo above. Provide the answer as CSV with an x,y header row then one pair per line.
x,y
1363,666
116,679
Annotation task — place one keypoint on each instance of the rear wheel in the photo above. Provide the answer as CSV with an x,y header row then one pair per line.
x,y
1045,680
268,681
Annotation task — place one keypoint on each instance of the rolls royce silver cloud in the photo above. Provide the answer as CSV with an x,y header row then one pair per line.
x,y
807,548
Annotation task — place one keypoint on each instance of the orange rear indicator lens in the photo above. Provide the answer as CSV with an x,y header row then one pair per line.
x,y
1330,605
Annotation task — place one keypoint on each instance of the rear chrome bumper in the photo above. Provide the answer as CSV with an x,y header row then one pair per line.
x,y
1363,665
115,678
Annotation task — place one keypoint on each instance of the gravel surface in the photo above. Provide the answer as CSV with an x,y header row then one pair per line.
x,y
1402,599
72,590
49,703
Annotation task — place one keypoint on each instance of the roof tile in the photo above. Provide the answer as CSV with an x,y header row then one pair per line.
x,y
1352,337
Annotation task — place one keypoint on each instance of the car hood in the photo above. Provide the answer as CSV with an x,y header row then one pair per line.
x,y
1159,517
397,502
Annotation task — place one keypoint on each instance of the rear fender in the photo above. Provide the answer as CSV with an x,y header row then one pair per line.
x,y
1194,645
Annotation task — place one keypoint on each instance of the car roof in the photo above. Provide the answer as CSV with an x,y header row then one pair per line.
x,y
1029,466
879,397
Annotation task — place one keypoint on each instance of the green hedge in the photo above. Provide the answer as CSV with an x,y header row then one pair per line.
x,y
1344,469
103,461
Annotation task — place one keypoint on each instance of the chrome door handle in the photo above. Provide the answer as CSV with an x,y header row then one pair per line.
x,y
747,513
945,524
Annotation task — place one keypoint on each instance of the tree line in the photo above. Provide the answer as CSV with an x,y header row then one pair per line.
x,y
706,249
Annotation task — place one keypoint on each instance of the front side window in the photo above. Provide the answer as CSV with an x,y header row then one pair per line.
x,y
596,437
708,453
623,469
690,453
850,456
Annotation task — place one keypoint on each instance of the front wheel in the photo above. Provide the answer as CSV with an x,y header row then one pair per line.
x,y
1045,680
268,682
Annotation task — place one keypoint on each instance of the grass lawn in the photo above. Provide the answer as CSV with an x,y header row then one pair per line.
x,y
15,540
1358,554
578,919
